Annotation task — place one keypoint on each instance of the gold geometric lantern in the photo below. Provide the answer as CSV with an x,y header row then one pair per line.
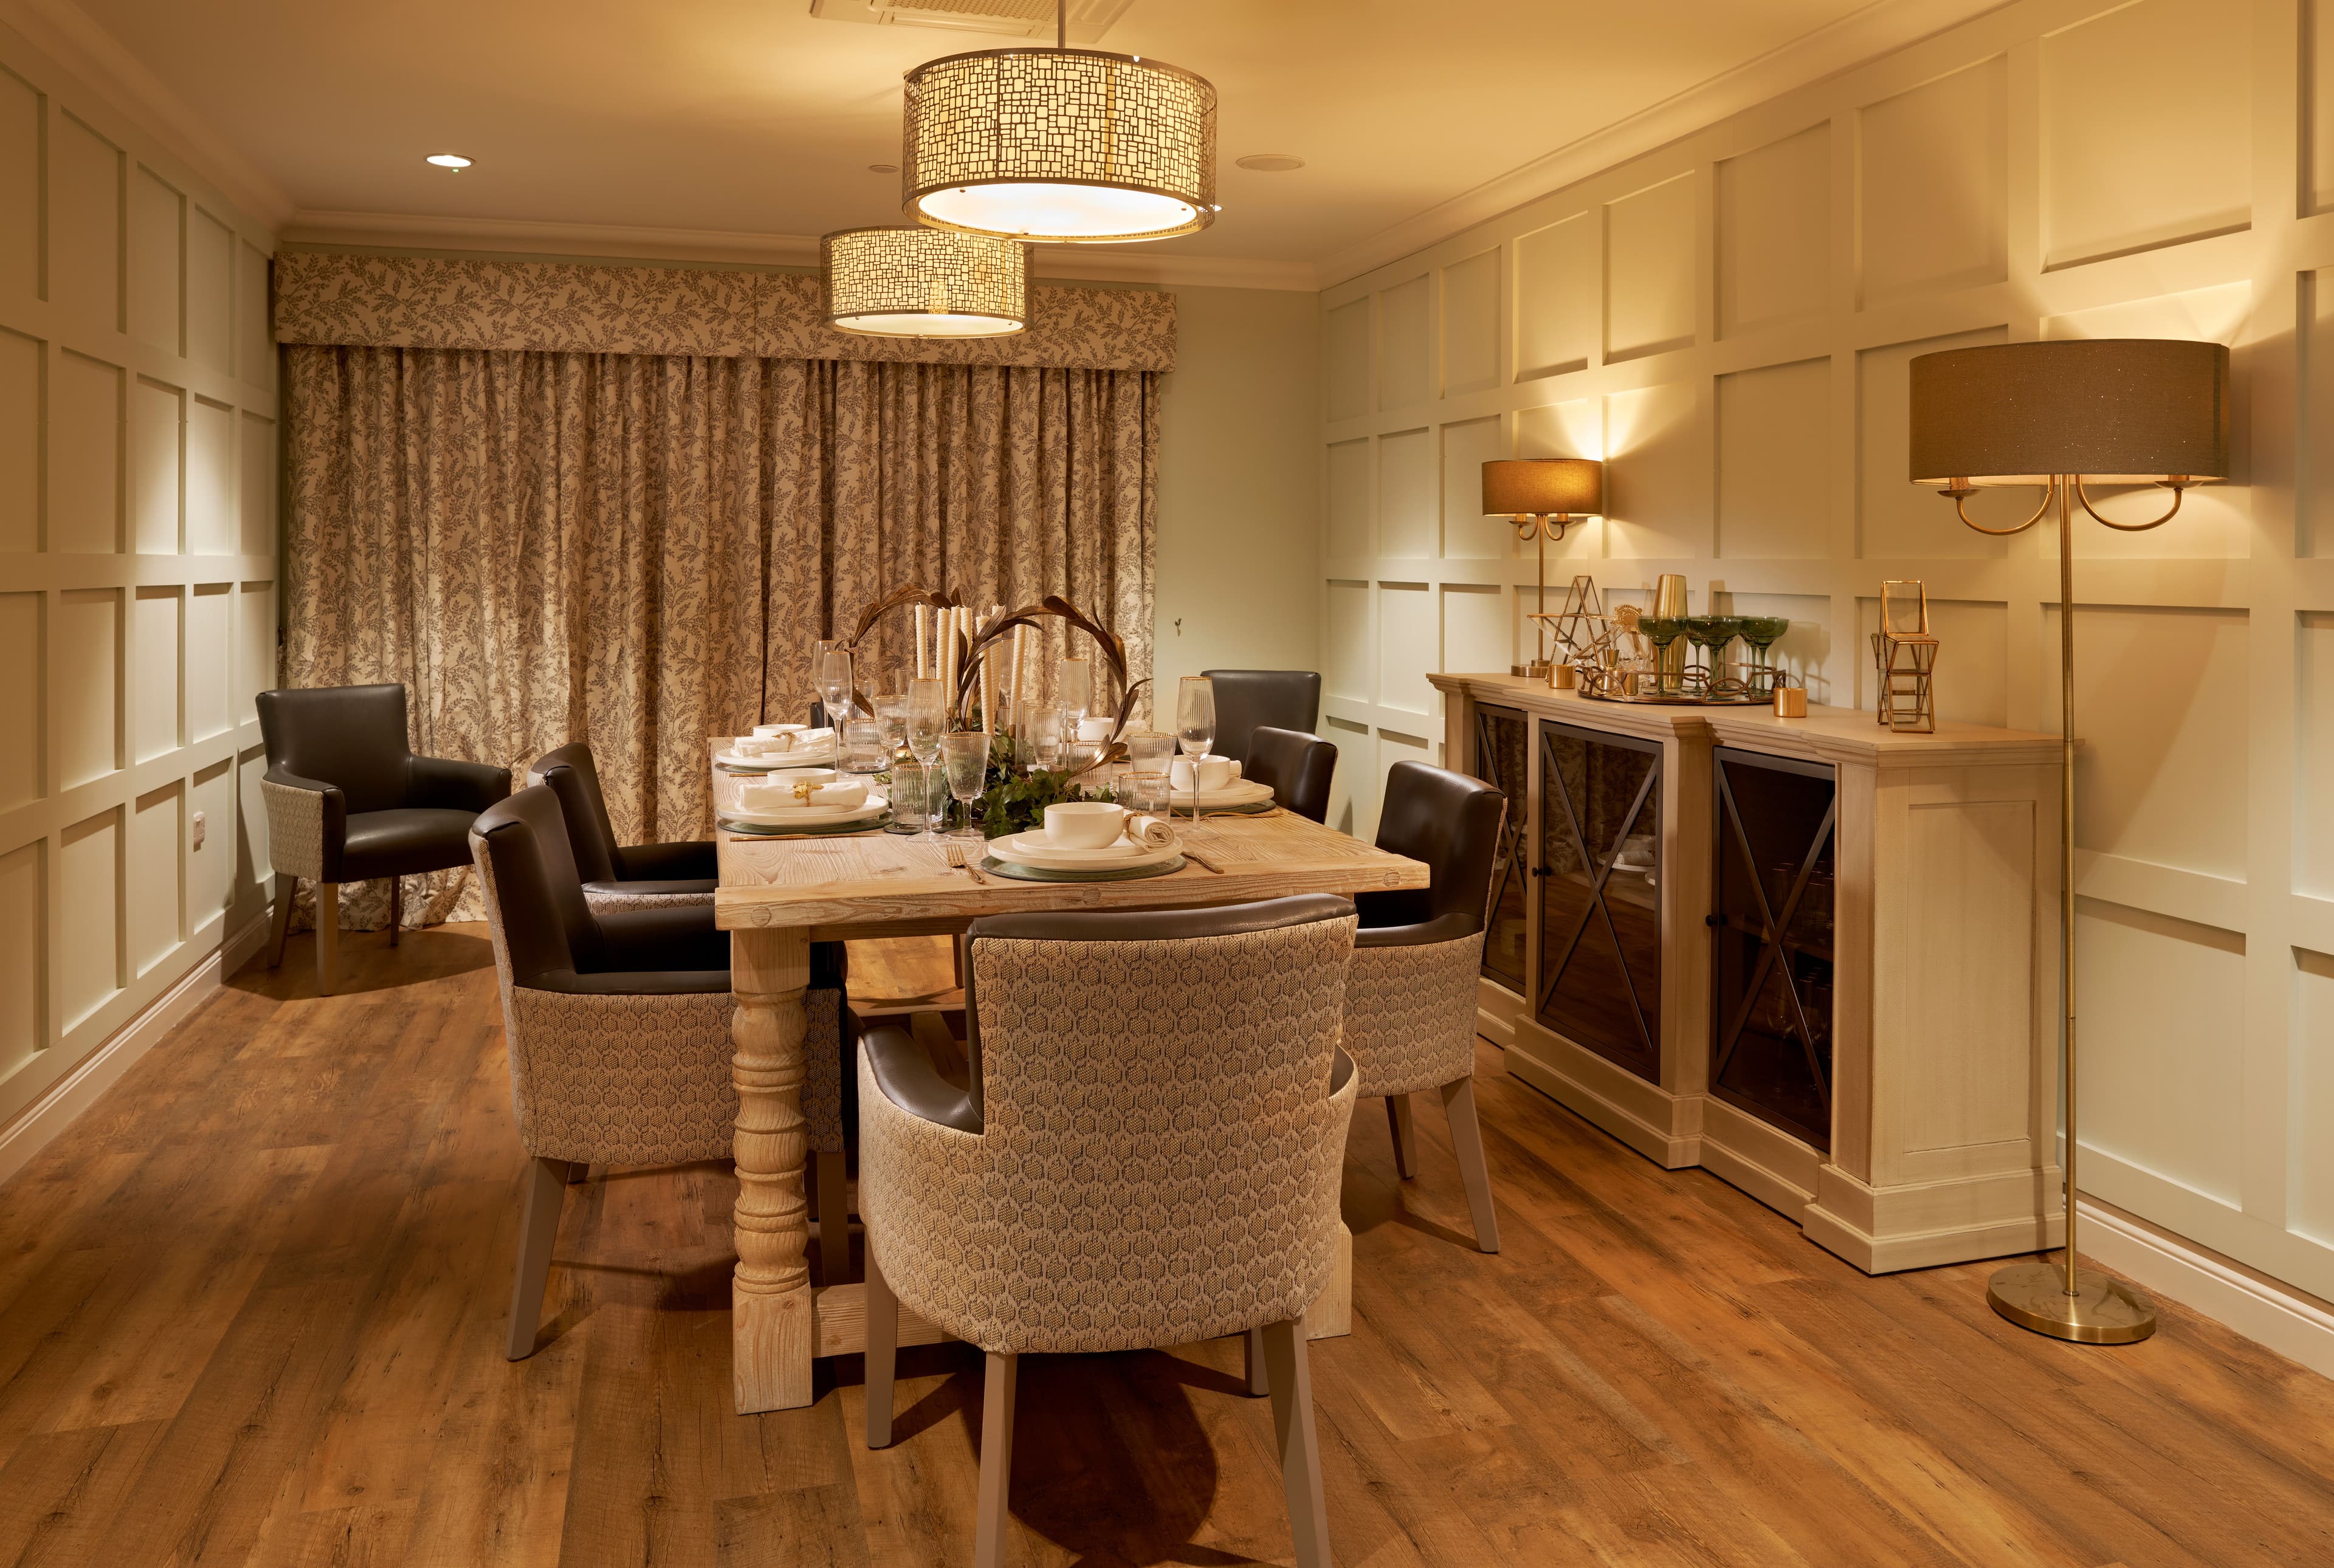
x,y
1907,656
924,282
2065,414
1068,146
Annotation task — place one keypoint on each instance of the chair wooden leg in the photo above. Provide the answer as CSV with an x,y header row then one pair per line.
x,y
1259,1382
956,956
882,1352
1300,1449
997,1458
834,1218
1405,1136
396,908
538,1227
328,936
1467,1142
287,889
578,1170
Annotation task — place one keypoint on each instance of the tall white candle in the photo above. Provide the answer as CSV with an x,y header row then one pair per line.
x,y
924,618
1013,684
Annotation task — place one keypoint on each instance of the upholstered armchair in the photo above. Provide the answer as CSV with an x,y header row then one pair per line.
x,y
1147,1154
1297,766
618,1027
620,876
1410,1001
348,801
1246,699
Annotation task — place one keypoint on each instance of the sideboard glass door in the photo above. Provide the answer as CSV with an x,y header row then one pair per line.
x,y
1772,1051
1599,883
1502,759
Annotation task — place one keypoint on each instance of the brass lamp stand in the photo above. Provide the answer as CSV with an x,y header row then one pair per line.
x,y
1542,498
2114,411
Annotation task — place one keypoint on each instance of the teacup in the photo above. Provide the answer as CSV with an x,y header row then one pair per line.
x,y
1095,729
1215,772
1084,824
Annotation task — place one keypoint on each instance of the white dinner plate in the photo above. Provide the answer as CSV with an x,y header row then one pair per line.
x,y
1035,848
819,755
1239,792
797,816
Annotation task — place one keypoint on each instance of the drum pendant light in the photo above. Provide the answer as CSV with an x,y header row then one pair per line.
x,y
924,282
1066,146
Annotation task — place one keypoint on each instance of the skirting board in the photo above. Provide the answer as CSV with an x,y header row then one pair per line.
x,y
33,1130
2293,1325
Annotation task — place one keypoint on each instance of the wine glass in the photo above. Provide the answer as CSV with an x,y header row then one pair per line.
x,y
1711,633
1043,740
1661,630
1761,632
832,675
926,723
965,754
1195,726
1073,693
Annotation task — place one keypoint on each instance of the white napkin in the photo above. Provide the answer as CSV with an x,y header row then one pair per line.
x,y
1149,831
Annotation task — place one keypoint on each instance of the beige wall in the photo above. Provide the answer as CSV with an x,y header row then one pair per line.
x,y
1727,322
138,493
1238,487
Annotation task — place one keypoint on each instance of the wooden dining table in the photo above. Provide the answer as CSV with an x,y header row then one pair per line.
x,y
779,895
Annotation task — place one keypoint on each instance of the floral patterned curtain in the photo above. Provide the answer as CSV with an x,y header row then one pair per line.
x,y
638,550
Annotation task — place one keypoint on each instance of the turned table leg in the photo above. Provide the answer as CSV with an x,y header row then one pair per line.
x,y
771,1325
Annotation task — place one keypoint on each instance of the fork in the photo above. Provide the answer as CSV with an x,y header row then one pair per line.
x,y
956,857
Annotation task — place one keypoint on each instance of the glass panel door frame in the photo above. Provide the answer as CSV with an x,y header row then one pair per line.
x,y
1553,809
1519,832
1729,836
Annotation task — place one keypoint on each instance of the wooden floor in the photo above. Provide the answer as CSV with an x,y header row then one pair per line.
x,y
251,1312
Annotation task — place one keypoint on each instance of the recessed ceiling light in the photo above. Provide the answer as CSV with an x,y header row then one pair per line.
x,y
1271,162
882,169
447,160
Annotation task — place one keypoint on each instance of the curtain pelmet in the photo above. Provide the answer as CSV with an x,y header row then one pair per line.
x,y
638,550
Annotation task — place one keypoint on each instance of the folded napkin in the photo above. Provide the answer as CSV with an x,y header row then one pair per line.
x,y
1149,831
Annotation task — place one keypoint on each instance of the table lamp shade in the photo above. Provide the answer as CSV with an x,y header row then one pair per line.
x,y
1544,488
2115,410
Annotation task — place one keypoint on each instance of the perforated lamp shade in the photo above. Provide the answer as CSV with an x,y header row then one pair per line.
x,y
2115,410
924,282
1072,145
1544,488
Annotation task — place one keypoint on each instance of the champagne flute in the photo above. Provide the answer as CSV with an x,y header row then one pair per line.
x,y
926,723
1195,726
965,752
1073,694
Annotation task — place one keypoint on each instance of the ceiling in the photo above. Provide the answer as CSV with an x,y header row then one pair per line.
x,y
752,117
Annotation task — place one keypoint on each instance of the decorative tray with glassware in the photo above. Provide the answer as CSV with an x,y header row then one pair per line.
x,y
1667,658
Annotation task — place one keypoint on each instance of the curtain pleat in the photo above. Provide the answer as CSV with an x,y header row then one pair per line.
x,y
640,550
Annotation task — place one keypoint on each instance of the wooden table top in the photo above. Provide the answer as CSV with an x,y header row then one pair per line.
x,y
884,883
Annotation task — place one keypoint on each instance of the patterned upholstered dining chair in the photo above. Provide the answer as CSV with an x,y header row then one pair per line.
x,y
1299,766
1148,1154
620,876
1410,1001
618,1027
1246,698
349,801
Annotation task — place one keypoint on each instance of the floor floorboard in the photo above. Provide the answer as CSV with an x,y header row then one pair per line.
x,y
251,1313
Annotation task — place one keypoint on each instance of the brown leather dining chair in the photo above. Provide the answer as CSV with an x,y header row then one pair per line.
x,y
1147,1154
1246,698
1410,1001
620,876
1298,768
348,801
618,1027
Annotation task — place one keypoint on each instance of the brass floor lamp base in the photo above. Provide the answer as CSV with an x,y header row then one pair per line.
x,y
2104,1311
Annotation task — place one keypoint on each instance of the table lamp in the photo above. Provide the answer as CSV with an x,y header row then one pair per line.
x,y
1543,496
2065,415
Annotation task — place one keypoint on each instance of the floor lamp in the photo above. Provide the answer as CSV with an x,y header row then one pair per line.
x,y
2064,416
1543,496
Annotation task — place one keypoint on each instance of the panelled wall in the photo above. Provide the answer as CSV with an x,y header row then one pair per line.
x,y
1727,322
138,544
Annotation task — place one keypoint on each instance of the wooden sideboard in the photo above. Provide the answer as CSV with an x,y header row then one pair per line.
x,y
1885,1069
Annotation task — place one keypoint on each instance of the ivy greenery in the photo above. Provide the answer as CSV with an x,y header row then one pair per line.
x,y
1016,803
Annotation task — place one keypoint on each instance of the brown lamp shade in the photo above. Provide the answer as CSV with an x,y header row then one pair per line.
x,y
1544,488
2129,410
